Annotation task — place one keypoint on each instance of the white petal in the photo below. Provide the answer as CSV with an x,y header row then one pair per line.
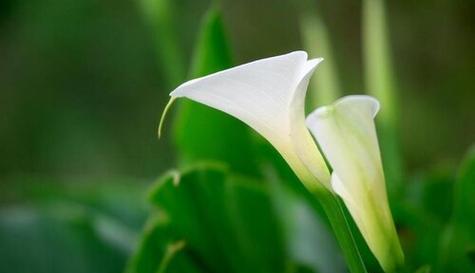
x,y
257,93
342,191
347,136
268,95
302,139
346,133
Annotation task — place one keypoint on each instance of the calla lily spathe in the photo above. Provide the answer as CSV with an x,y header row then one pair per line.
x,y
346,133
269,96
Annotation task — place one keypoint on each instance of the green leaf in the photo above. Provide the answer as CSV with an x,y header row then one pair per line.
x,y
324,85
117,198
433,193
63,238
159,251
459,244
310,241
84,225
298,268
464,193
227,222
160,16
422,216
423,269
202,133
380,83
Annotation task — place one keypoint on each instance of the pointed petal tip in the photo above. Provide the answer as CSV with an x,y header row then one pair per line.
x,y
317,60
309,67
181,90
185,89
312,63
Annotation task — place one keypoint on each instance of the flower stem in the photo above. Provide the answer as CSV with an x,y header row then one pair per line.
x,y
334,211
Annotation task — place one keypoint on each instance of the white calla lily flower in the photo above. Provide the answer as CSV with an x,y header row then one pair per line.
x,y
269,96
346,134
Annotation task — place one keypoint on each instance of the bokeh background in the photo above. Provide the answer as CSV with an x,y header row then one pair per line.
x,y
82,88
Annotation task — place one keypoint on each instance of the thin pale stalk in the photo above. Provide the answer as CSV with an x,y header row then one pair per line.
x,y
324,85
381,84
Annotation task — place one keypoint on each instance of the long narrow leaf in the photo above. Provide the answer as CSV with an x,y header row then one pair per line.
x,y
381,84
457,252
324,85
202,133
160,16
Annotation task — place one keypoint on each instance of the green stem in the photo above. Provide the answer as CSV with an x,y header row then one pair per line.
x,y
334,211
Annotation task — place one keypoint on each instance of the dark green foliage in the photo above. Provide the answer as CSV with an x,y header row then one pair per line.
x,y
55,241
83,227
159,249
205,133
227,224
81,88
458,244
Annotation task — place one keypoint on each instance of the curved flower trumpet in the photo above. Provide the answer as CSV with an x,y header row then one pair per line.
x,y
346,133
268,95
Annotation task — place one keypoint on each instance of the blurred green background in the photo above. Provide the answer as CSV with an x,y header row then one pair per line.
x,y
82,87
82,90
